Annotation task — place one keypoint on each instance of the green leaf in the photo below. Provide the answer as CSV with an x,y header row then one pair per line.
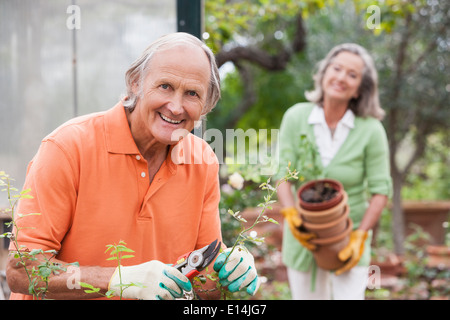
x,y
25,191
35,252
92,291
124,249
6,235
137,284
45,272
109,293
127,256
21,215
85,285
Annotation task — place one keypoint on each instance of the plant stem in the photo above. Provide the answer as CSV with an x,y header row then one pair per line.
x,y
12,205
265,204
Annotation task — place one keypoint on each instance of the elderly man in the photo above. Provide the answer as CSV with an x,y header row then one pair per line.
x,y
115,176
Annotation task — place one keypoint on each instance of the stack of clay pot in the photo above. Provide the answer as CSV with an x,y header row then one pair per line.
x,y
331,223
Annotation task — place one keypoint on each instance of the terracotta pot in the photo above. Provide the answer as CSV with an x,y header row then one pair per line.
x,y
327,215
430,216
391,265
321,205
326,253
438,256
329,229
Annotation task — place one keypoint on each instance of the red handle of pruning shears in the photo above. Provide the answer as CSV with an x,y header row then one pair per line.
x,y
183,261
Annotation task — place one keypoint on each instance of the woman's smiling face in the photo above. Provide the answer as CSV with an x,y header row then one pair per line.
x,y
343,77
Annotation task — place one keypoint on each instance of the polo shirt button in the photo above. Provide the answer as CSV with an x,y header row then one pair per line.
x,y
138,157
143,174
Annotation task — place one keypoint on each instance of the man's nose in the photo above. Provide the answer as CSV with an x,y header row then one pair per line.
x,y
175,104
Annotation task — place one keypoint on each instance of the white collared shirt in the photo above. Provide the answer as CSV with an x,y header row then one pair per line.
x,y
328,144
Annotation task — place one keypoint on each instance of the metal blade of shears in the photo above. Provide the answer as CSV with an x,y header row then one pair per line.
x,y
210,254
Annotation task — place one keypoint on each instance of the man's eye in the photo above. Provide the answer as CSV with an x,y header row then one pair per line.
x,y
165,86
192,93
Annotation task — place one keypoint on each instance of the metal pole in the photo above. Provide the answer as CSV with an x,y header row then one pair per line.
x,y
190,15
74,69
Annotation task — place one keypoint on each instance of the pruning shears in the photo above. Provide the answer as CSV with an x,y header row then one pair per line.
x,y
190,264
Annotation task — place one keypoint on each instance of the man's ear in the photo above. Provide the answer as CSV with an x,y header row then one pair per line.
x,y
135,88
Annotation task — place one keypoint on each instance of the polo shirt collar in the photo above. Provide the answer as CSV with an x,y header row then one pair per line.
x,y
118,133
120,140
317,116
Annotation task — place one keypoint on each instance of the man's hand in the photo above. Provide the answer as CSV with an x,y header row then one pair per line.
x,y
237,270
154,281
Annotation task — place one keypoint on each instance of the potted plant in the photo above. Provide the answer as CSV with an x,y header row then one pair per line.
x,y
430,215
321,194
318,193
322,204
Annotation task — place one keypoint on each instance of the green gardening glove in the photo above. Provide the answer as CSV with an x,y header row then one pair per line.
x,y
237,270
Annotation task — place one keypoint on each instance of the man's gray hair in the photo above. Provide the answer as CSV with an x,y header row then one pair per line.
x,y
138,71
367,103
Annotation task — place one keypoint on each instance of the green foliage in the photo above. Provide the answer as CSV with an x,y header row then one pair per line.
x,y
38,276
226,21
116,252
310,163
430,177
410,53
416,264
244,228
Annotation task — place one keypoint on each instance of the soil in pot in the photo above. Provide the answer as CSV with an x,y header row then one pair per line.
x,y
320,194
326,215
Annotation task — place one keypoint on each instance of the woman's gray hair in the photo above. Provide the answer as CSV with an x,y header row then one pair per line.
x,y
367,103
137,72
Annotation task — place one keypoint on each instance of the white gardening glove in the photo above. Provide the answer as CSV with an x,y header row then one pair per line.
x,y
239,270
156,281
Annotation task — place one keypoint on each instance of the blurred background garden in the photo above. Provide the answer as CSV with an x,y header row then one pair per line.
x,y
267,50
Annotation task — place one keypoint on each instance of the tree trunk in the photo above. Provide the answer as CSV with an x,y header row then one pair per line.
x,y
398,219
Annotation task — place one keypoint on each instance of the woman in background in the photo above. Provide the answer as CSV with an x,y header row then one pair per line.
x,y
342,120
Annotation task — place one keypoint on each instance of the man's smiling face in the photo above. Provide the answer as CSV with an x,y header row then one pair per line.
x,y
174,92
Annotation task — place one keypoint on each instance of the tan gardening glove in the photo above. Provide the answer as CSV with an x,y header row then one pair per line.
x,y
353,251
295,224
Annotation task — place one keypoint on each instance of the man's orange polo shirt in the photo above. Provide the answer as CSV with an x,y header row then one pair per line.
x,y
91,186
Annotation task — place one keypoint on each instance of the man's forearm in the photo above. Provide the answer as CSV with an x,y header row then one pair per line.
x,y
64,285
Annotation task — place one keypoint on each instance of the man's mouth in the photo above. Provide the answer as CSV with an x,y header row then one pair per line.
x,y
167,119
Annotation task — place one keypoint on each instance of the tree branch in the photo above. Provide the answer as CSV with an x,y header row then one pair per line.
x,y
431,46
263,59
